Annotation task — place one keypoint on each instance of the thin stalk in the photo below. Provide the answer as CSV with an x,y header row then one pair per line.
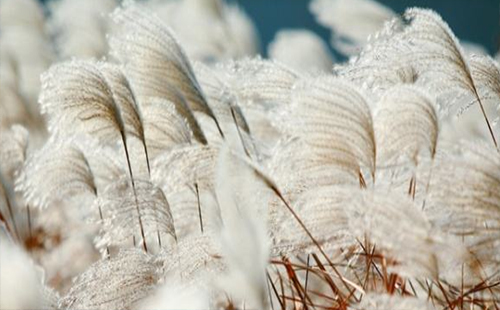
x,y
307,276
144,245
275,290
490,129
30,231
102,219
199,206
239,133
11,214
316,243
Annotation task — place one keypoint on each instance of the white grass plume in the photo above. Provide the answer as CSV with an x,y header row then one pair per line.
x,y
351,22
55,172
9,209
259,81
13,150
127,212
335,122
114,283
186,174
21,281
219,29
124,98
24,38
464,201
92,98
154,59
406,125
322,211
79,27
376,301
486,72
224,100
196,259
301,50
243,236
77,97
164,127
438,53
15,106
174,296
180,109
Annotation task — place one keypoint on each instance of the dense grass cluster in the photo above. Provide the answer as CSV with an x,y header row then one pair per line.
x,y
149,159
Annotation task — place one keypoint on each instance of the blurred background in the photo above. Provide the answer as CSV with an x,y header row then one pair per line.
x,y
476,21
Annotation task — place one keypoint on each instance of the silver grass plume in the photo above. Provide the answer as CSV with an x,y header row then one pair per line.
x,y
97,109
195,259
14,104
302,50
182,110
486,72
335,122
244,241
114,283
259,81
13,149
437,52
126,102
351,22
79,27
9,207
339,216
185,165
406,125
384,218
223,100
125,208
186,174
164,127
76,96
464,201
376,301
55,172
154,60
322,212
308,172
21,282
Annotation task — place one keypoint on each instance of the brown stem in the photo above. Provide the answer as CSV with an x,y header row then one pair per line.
x,y
275,291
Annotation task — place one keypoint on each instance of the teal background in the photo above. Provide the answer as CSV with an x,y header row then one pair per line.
x,y
472,20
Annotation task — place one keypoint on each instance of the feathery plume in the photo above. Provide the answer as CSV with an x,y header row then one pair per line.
x,y
351,22
13,148
124,209
55,172
438,53
464,200
114,283
301,50
405,125
335,122
154,60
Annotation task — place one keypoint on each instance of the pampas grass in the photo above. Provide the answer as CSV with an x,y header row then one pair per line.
x,y
176,173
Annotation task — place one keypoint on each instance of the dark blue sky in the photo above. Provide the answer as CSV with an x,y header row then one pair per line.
x,y
473,20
